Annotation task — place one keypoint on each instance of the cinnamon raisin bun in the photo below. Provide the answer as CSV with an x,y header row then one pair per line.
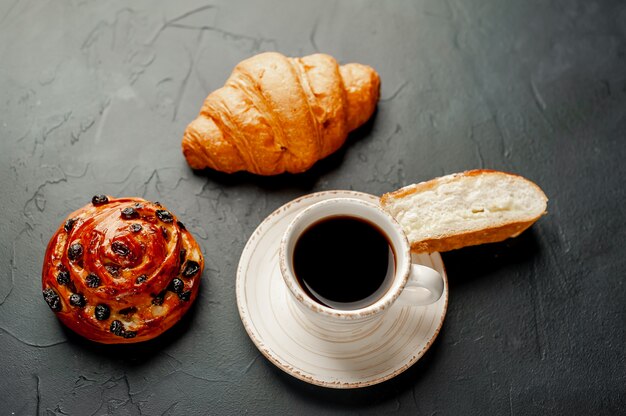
x,y
121,270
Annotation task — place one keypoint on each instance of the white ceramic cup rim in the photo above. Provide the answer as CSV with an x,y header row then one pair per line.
x,y
376,215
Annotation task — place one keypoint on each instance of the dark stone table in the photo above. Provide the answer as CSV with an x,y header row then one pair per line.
x,y
94,98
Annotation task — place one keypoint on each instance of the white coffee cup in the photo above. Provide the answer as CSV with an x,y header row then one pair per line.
x,y
411,285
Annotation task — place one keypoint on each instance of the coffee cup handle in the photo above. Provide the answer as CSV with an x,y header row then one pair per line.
x,y
424,287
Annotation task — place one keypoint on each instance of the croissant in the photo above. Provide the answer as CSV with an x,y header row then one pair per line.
x,y
277,114
121,270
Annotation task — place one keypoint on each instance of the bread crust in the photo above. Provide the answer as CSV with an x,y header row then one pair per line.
x,y
498,232
472,238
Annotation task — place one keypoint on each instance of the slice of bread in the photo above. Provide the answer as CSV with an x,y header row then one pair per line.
x,y
465,209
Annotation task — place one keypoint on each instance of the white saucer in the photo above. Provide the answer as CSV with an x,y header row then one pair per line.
x,y
268,315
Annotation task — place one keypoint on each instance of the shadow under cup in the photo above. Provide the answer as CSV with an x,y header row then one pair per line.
x,y
329,267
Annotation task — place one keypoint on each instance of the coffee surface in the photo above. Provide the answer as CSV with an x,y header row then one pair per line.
x,y
344,262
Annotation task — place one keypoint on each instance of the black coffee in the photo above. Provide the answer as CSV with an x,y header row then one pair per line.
x,y
344,262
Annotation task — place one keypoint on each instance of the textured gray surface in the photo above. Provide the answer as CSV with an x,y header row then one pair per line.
x,y
94,97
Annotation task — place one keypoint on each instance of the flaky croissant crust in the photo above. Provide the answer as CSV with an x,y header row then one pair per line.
x,y
277,114
121,270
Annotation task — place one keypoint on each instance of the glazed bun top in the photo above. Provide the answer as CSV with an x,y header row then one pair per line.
x,y
121,270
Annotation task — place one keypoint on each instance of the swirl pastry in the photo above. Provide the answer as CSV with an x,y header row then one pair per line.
x,y
121,270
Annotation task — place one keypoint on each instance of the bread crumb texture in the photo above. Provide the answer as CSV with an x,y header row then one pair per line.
x,y
463,203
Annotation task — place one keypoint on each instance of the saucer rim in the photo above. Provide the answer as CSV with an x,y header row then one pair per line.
x,y
260,345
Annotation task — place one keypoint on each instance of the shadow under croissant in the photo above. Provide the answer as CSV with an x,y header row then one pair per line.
x,y
304,181
141,352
